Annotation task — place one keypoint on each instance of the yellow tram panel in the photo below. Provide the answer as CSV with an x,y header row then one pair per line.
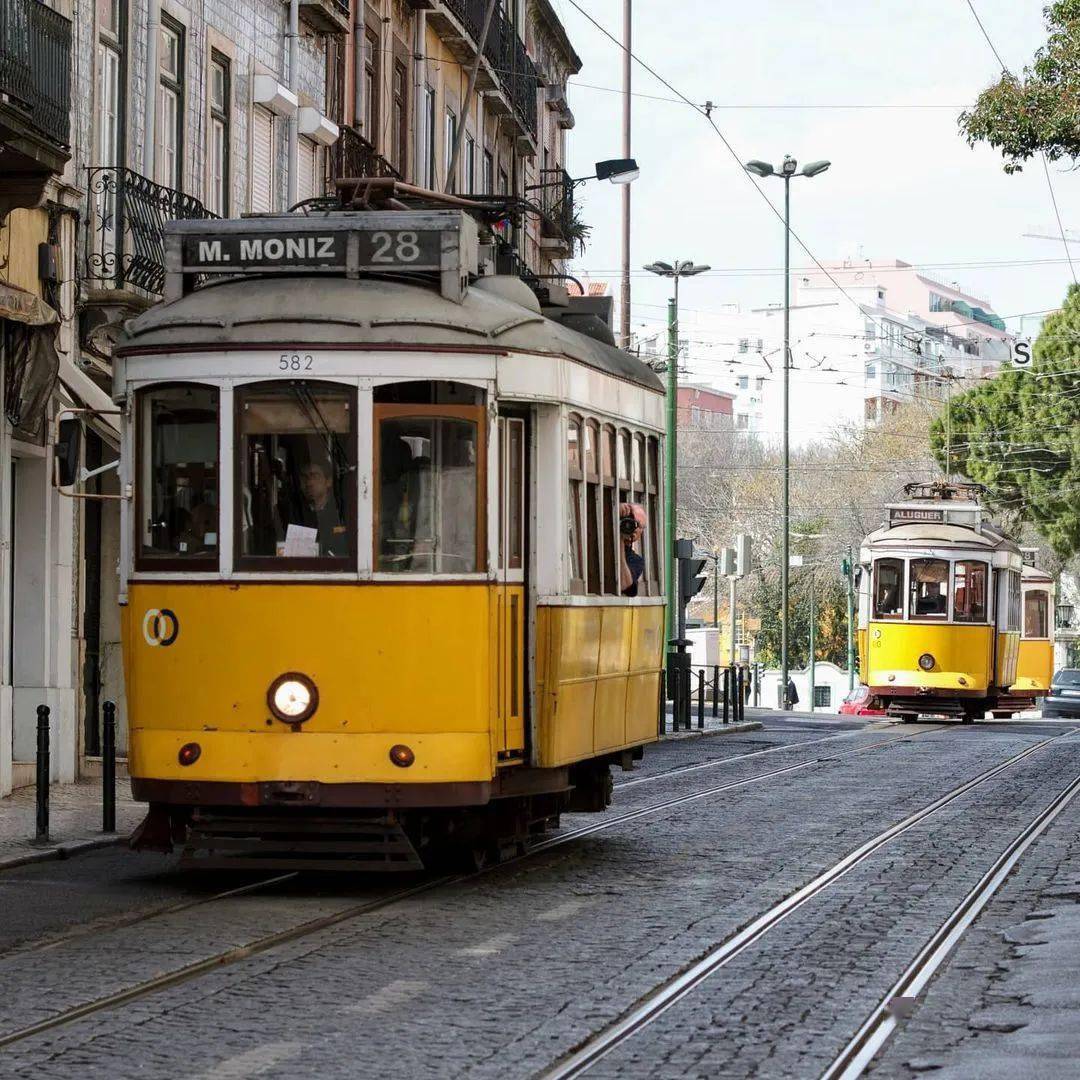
x,y
959,652
1034,667
597,679
1008,648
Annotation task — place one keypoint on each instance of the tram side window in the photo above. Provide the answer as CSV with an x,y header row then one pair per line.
x,y
178,475
1014,600
653,527
593,549
929,589
1036,613
888,588
575,476
969,592
428,518
296,476
608,512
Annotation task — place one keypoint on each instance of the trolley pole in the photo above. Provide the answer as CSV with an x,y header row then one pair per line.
x,y
850,621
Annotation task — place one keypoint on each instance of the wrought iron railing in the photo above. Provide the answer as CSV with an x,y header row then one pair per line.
x,y
505,52
352,155
556,191
125,245
35,66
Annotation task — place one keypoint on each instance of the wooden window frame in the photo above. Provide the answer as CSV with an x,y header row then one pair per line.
x,y
576,584
403,411
874,613
594,546
223,116
174,84
986,591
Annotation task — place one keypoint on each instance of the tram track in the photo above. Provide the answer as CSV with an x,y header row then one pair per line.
x,y
658,1001
236,954
904,994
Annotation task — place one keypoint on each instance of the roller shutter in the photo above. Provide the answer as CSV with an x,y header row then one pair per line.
x,y
262,160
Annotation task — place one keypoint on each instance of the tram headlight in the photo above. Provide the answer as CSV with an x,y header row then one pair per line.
x,y
293,697
926,661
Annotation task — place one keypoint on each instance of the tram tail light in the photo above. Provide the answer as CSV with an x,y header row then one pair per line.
x,y
401,755
189,753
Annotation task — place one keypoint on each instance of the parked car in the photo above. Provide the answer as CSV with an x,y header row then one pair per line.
x,y
860,702
1064,696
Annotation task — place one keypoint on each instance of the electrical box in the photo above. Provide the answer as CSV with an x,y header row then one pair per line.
x,y
743,555
48,258
727,563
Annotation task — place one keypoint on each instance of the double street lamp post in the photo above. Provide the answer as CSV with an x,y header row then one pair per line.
x,y
789,169
675,271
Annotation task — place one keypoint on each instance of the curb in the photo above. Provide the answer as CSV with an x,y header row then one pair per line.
x,y
724,729
63,850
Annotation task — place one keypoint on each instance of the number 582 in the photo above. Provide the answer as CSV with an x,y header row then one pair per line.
x,y
294,362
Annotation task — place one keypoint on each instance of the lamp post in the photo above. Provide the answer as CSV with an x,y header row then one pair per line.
x,y
675,271
787,170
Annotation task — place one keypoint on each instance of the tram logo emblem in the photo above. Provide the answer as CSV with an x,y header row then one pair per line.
x,y
160,626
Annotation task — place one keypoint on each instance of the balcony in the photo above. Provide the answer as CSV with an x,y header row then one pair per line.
x,y
556,204
352,156
326,16
35,99
508,70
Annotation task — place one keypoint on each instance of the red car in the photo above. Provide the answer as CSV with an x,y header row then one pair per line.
x,y
860,702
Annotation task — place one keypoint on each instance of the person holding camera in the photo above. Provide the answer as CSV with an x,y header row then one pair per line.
x,y
632,521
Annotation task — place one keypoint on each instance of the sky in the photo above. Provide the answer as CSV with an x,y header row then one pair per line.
x,y
903,183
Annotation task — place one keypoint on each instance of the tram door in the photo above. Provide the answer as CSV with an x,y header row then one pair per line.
x,y
512,593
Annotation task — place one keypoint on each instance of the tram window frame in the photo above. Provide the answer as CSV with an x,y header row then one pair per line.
x,y
594,557
971,566
575,473
901,590
936,616
475,414
1043,615
293,564
652,494
609,509
1014,603
174,560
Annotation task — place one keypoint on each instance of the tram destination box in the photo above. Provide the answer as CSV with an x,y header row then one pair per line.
x,y
435,242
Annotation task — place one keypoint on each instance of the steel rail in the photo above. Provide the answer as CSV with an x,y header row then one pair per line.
x,y
658,1001
903,997
234,955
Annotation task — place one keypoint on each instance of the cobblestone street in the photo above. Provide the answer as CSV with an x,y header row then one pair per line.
x,y
507,972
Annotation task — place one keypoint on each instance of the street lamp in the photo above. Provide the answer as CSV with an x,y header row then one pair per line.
x,y
675,271
614,170
787,170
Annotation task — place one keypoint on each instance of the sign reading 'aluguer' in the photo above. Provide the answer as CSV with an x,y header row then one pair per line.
x,y
383,249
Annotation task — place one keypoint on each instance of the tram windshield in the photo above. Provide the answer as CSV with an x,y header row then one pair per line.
x,y
969,591
1036,613
428,519
178,481
889,588
929,589
296,475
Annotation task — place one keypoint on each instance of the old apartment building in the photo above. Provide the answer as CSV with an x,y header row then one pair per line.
x,y
119,115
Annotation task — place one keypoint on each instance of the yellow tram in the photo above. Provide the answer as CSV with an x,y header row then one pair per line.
x,y
1035,661
940,607
372,567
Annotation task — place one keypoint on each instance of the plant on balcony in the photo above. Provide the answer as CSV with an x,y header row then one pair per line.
x,y
577,232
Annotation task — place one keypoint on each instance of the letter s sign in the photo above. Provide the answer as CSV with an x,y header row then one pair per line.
x,y
1021,352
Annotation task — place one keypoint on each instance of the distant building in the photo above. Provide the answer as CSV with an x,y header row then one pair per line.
x,y
704,407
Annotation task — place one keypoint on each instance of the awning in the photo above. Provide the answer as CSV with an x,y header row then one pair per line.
x,y
18,305
84,390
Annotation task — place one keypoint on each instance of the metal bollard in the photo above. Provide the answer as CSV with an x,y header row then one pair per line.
x,y
715,689
727,692
42,833
108,768
701,698
742,694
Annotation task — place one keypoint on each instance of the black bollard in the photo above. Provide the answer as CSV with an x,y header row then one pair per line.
x,y
727,692
42,834
742,694
701,698
108,768
715,690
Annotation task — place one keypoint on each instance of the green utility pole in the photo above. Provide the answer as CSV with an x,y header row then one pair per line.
x,y
813,643
670,457
849,571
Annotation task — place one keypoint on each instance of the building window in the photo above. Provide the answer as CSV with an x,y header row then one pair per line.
x,y
449,138
429,137
220,109
263,192
400,117
307,169
742,422
335,79
744,382
371,87
938,302
170,115
489,173
695,416
871,370
744,345
759,383
470,164
822,697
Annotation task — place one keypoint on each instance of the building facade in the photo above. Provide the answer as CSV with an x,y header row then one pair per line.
x,y
703,408
118,116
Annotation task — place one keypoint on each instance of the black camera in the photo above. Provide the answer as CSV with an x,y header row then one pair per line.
x,y
628,525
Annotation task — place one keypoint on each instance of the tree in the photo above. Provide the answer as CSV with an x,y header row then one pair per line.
x,y
1019,435
1038,112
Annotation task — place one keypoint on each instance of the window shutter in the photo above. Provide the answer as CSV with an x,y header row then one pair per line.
x,y
307,169
262,160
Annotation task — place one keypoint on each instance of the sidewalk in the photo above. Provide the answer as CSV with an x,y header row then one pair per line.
x,y
74,821
712,726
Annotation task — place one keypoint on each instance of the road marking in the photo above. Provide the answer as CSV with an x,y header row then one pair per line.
x,y
389,996
562,911
490,947
253,1062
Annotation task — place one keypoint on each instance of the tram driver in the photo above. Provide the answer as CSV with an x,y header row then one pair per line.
x,y
319,509
632,522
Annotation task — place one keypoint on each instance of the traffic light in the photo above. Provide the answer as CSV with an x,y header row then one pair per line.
x,y
743,555
845,568
691,579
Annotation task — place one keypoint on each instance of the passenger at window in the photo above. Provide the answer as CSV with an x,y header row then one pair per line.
x,y
319,509
632,522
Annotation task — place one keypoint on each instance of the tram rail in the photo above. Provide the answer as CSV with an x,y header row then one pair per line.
x,y
654,1004
228,957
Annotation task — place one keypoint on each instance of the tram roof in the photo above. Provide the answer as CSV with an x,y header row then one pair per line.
x,y
337,311
926,533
